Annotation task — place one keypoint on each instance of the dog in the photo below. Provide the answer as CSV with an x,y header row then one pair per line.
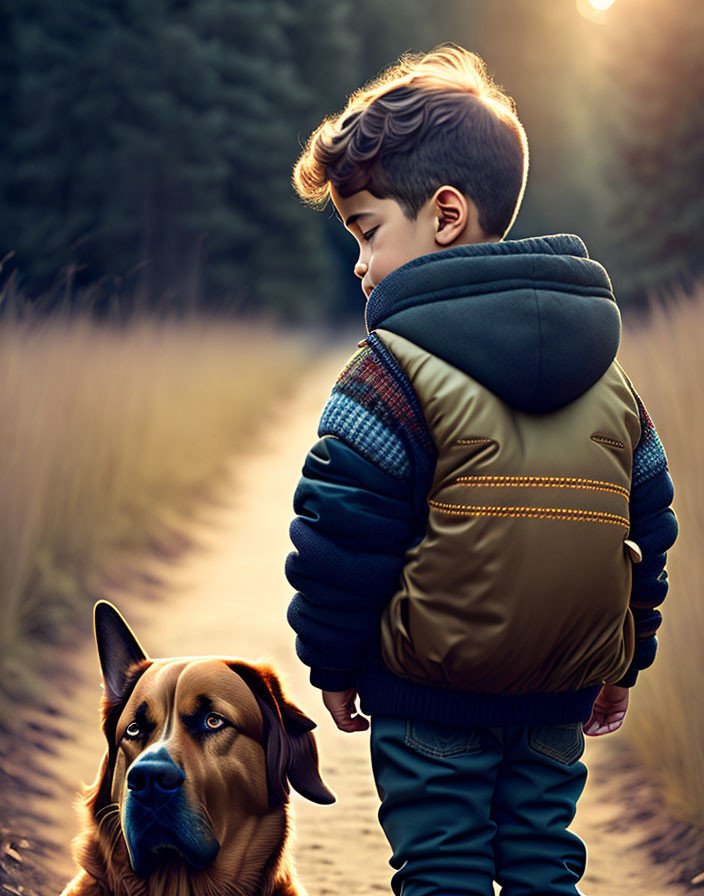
x,y
191,795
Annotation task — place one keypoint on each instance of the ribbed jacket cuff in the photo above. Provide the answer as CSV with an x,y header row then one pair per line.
x,y
332,679
383,693
628,680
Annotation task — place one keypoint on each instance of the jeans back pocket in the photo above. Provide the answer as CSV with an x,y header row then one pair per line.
x,y
443,741
564,743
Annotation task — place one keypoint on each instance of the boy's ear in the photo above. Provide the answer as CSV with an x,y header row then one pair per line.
x,y
451,215
456,216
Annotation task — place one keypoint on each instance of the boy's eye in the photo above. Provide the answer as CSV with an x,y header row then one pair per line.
x,y
370,233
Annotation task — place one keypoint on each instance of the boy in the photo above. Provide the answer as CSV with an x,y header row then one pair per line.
x,y
485,480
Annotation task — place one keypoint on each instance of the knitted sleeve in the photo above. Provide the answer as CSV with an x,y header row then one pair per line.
x,y
360,503
374,409
654,529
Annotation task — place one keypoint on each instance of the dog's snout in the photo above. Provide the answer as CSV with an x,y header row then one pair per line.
x,y
155,774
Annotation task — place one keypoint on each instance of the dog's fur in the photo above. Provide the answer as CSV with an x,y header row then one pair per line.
x,y
193,788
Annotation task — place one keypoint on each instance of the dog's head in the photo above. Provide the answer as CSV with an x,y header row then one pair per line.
x,y
200,754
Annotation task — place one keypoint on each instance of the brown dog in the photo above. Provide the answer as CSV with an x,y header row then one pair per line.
x,y
191,794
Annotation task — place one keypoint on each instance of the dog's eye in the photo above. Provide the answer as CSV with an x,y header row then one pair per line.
x,y
214,721
133,730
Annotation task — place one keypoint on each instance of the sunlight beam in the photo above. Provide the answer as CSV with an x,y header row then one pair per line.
x,y
594,10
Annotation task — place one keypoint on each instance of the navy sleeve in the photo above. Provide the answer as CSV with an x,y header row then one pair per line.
x,y
359,505
353,526
654,529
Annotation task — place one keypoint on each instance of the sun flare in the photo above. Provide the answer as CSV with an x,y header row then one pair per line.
x,y
594,10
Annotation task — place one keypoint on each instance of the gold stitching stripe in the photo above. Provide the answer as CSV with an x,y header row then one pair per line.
x,y
473,441
598,485
614,443
549,513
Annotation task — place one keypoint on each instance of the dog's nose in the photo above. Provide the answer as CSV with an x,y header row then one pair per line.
x,y
155,775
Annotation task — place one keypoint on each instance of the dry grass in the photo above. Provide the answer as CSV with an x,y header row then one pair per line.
x,y
665,722
103,428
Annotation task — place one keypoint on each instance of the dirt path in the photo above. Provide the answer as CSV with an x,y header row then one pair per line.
x,y
230,597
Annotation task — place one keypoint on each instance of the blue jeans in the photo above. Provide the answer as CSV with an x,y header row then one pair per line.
x,y
462,807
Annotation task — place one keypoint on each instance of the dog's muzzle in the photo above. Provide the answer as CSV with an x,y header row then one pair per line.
x,y
155,778
157,820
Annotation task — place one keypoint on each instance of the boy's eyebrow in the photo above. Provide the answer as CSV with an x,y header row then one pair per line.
x,y
353,218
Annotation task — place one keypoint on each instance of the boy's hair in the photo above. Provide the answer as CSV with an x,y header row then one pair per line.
x,y
431,119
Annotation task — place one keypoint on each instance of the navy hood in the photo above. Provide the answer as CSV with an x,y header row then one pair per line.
x,y
534,320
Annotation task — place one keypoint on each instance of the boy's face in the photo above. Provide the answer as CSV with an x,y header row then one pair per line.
x,y
388,239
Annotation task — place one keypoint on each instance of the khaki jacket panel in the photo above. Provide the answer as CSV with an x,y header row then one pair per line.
x,y
522,581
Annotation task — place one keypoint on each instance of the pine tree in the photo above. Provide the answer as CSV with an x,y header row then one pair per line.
x,y
167,132
47,147
9,63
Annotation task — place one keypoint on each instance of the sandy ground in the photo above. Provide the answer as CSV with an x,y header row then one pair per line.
x,y
229,596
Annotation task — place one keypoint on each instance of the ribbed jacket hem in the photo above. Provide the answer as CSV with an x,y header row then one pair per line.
x,y
385,694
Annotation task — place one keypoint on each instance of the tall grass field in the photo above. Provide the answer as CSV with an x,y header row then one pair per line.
x,y
104,429
665,720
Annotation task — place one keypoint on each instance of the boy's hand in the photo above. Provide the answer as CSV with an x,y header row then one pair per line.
x,y
608,711
341,706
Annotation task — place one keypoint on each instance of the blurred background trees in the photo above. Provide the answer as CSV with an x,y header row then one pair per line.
x,y
655,73
148,147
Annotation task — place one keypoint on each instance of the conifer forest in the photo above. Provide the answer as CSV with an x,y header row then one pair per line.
x,y
148,147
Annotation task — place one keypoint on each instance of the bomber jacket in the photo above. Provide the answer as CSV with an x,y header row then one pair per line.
x,y
532,326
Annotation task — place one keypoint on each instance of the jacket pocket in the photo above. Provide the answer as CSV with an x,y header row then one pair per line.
x,y
564,743
441,741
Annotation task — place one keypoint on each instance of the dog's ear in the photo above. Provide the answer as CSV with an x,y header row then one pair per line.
x,y
118,648
289,744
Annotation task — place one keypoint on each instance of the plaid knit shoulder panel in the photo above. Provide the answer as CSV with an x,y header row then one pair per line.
x,y
374,409
649,458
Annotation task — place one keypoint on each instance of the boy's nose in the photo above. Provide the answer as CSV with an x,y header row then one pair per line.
x,y
360,269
